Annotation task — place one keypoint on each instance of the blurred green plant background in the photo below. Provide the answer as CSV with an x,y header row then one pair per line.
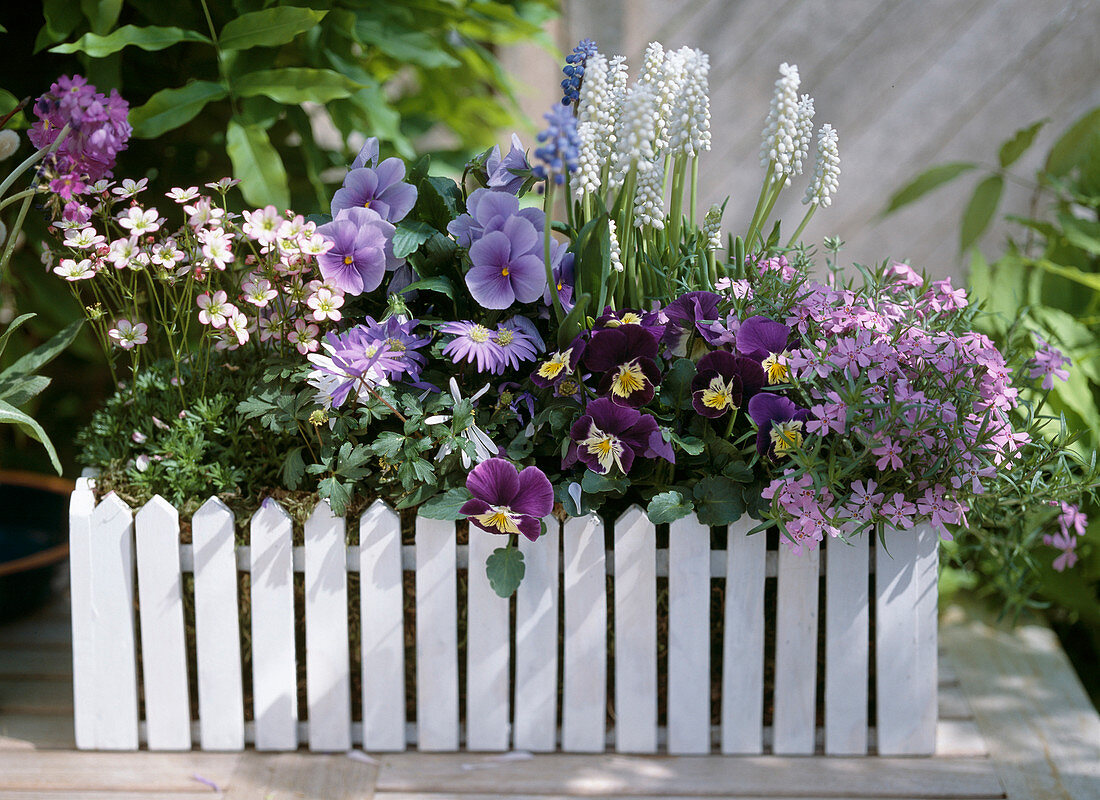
x,y
280,94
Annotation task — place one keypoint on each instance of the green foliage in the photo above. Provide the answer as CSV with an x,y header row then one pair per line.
x,y
668,507
505,569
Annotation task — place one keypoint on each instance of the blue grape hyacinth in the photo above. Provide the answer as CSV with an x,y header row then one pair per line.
x,y
574,70
560,145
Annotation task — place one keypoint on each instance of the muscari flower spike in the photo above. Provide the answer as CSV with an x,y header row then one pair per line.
x,y
560,150
507,500
824,183
574,70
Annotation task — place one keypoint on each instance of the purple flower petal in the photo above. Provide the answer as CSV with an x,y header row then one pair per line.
x,y
492,249
529,527
535,495
490,205
489,287
495,481
528,278
368,154
389,172
521,234
758,337
401,197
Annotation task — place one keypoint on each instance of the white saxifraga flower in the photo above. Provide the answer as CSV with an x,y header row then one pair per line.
x,y
616,249
689,131
138,221
649,196
824,183
595,124
635,131
712,227
73,270
805,133
781,127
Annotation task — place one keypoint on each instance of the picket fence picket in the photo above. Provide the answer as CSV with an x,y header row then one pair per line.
x,y
573,558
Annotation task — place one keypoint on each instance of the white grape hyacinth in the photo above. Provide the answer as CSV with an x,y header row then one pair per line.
x,y
780,135
595,125
689,130
664,73
616,249
712,227
635,132
826,176
649,196
805,134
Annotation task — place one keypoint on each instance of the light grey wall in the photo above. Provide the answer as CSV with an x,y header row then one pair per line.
x,y
907,83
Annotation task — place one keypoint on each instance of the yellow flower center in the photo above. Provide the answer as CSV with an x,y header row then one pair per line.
x,y
366,204
628,379
718,394
348,259
479,334
555,366
504,271
629,318
500,517
786,436
775,369
607,449
396,345
504,338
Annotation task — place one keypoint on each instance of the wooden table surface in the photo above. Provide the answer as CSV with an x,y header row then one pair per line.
x,y
1014,723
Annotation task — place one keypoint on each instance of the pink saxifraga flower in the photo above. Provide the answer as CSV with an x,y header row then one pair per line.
x,y
128,335
304,336
215,309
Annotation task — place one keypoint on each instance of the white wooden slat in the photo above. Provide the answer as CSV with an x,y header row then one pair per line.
x,y
113,644
382,622
436,636
488,647
160,607
796,651
535,715
905,641
847,641
635,633
688,637
328,678
217,629
584,691
274,676
81,507
743,641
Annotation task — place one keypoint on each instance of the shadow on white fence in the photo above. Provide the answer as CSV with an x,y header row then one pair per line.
x,y
504,708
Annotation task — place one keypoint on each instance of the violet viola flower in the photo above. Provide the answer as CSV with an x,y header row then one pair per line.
x,y
724,382
506,500
368,154
561,266
689,313
779,423
626,357
613,436
765,340
380,189
561,364
505,268
362,250
488,210
501,172
650,320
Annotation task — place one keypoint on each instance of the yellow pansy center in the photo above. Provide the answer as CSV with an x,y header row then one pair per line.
x,y
607,448
775,369
786,436
718,394
366,204
629,318
555,366
500,517
348,259
628,379
504,271
479,334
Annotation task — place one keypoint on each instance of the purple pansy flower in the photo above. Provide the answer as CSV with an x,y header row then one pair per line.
x,y
724,381
362,250
560,365
626,357
650,320
501,172
506,500
505,268
765,340
689,313
380,189
561,266
609,436
779,423
368,154
488,210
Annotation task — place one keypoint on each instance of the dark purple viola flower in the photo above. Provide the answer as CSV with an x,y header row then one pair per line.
x,y
689,313
505,268
723,383
506,500
609,436
650,320
380,189
368,154
501,172
488,210
765,340
779,423
626,358
561,364
361,251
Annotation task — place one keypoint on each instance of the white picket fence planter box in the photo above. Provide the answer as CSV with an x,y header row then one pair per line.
x,y
108,541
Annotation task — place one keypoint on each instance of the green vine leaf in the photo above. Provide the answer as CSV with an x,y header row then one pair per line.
x,y
925,182
170,108
150,38
268,28
258,165
504,568
980,210
295,85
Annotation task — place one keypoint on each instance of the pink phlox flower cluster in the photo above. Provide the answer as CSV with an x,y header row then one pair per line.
x,y
1049,363
945,297
778,264
863,502
902,276
898,511
889,453
940,509
1071,524
829,417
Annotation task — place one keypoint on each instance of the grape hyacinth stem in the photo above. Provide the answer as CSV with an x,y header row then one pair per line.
x,y
548,207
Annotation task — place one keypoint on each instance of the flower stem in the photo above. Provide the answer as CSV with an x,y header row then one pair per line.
x,y
760,204
802,225
548,208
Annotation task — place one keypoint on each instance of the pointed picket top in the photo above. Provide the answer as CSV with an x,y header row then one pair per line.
x,y
322,516
213,508
157,508
111,510
378,512
82,500
630,515
271,515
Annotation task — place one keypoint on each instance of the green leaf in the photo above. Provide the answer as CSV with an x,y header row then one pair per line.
x,y
102,14
267,28
1075,145
1081,233
692,445
980,210
294,85
11,414
594,483
1019,143
62,17
258,165
170,108
718,500
405,46
925,182
44,353
294,468
409,235
338,494
436,284
446,505
12,327
1089,279
21,388
574,321
504,567
676,385
150,38
668,507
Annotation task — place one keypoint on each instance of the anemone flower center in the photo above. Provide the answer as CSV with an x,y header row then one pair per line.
x,y
479,334
504,338
628,379
775,369
500,517
719,394
555,366
348,259
786,436
396,345
607,448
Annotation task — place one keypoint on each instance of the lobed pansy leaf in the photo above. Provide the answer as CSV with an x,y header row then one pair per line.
x,y
668,507
718,500
409,235
447,505
505,569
